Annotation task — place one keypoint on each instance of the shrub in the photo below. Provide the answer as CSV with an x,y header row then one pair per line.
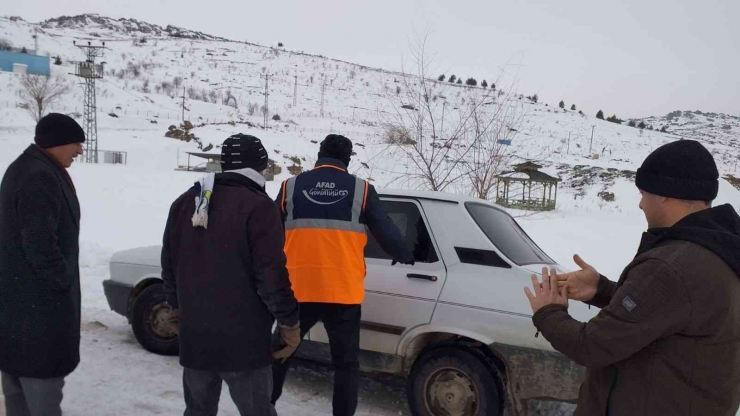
x,y
484,84
452,78
177,81
280,44
5,45
632,123
166,87
573,107
471,82
562,104
441,78
24,50
276,117
459,81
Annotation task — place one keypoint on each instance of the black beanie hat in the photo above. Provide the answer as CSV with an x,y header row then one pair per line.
x,y
682,170
54,130
336,146
243,151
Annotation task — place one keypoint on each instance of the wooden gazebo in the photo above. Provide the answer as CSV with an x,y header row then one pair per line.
x,y
527,188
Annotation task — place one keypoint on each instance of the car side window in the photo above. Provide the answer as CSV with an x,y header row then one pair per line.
x,y
408,219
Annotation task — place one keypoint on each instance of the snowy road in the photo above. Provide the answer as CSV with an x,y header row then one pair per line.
x,y
118,378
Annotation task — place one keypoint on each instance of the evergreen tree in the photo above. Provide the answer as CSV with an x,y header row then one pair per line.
x,y
573,107
453,78
441,78
600,115
562,104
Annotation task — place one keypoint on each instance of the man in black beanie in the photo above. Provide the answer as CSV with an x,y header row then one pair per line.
x,y
326,212
39,270
667,340
225,278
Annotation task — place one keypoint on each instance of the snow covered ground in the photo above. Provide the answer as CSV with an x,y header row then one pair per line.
x,y
125,206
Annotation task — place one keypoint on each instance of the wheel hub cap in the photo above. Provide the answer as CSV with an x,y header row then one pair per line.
x,y
451,392
158,318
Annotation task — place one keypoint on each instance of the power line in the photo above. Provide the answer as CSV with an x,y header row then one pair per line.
x,y
267,100
295,89
183,105
89,71
323,91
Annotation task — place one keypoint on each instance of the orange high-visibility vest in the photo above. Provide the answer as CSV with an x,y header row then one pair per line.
x,y
325,235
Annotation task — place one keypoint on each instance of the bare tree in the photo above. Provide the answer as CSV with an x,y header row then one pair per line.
x,y
39,93
493,145
447,145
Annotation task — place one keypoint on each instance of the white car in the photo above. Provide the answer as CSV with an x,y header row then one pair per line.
x,y
457,324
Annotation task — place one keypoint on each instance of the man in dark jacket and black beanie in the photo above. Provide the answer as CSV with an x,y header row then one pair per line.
x,y
326,212
224,271
667,340
39,270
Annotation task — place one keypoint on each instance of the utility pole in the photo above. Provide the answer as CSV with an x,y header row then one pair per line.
x,y
295,89
592,141
89,71
36,41
323,90
183,105
267,100
568,143
444,104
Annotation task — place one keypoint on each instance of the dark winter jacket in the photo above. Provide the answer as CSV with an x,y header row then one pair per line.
x,y
229,280
39,269
667,341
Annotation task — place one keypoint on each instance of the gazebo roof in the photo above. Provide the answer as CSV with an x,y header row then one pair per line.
x,y
526,173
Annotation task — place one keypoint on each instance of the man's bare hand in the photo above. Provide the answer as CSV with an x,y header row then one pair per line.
x,y
581,284
547,292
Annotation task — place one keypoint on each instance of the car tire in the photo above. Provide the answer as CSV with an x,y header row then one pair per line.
x,y
452,381
146,322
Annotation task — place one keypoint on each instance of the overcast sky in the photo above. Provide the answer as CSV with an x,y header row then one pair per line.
x,y
635,58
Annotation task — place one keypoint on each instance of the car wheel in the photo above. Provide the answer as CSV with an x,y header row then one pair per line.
x,y
148,320
452,381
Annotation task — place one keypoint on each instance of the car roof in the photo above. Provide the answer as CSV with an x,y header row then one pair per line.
x,y
435,196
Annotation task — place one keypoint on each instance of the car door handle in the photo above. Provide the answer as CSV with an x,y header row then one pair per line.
x,y
422,276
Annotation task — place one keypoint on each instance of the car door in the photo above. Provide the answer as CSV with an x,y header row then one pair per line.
x,y
400,297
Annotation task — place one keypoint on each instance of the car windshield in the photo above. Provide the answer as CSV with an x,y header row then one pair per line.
x,y
507,235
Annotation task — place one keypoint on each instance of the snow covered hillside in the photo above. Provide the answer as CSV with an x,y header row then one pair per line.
x,y
149,68
708,127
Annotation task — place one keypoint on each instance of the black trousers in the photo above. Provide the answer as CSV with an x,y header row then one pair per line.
x,y
342,323
250,391
32,396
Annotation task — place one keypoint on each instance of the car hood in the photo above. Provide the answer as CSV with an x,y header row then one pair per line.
x,y
537,268
143,256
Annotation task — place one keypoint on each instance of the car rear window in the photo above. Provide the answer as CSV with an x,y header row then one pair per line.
x,y
507,235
